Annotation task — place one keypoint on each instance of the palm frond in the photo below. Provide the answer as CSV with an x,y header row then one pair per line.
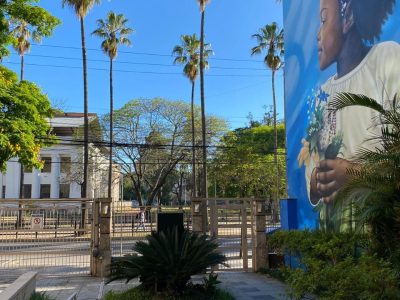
x,y
343,100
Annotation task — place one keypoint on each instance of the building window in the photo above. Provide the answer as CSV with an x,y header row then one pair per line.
x,y
44,191
27,190
47,165
64,190
65,164
3,192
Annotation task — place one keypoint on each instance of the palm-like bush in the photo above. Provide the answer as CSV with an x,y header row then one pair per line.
x,y
167,260
375,187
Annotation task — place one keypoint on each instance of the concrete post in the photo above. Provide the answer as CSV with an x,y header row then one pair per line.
x,y
95,238
55,176
198,215
1,185
260,252
104,258
35,184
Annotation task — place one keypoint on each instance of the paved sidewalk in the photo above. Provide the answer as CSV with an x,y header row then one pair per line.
x,y
243,286
86,287
252,286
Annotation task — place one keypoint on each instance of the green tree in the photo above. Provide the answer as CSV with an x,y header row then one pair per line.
x,y
244,165
202,4
374,186
114,32
13,12
81,9
152,137
188,54
23,125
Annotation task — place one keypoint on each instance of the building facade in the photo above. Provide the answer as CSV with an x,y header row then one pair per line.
x,y
61,176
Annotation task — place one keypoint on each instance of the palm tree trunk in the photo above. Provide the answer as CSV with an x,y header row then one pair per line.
x,y
203,123
84,190
111,129
275,131
21,177
194,189
21,195
22,68
275,217
85,113
203,115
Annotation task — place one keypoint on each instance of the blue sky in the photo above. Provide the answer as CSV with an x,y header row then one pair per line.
x,y
236,83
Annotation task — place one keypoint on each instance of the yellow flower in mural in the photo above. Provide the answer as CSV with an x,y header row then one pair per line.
x,y
304,156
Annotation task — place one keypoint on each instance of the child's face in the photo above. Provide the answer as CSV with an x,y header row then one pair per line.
x,y
330,35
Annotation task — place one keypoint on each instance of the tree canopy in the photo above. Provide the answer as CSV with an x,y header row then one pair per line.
x,y
37,20
244,165
151,138
23,125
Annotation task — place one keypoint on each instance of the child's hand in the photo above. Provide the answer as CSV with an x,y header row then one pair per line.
x,y
331,175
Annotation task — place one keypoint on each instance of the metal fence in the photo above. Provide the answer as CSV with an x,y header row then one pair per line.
x,y
50,236
132,224
231,222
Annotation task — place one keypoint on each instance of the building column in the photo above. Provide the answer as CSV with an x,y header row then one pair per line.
x,y
35,184
12,178
1,185
55,176
76,168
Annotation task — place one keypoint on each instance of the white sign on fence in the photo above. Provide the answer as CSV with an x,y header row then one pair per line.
x,y
36,221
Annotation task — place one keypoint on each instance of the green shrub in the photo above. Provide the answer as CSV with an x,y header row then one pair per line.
x,y
40,296
167,260
336,266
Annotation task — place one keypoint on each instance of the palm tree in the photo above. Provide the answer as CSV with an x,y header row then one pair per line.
x,y
375,183
114,32
23,34
203,4
188,54
81,9
270,38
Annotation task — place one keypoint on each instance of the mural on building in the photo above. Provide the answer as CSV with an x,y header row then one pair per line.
x,y
334,46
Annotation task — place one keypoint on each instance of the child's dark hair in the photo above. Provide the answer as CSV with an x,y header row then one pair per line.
x,y
369,16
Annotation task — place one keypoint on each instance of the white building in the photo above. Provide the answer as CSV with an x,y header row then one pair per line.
x,y
62,174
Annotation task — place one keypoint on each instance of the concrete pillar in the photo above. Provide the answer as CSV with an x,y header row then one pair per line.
x,y
260,251
1,185
12,178
95,252
102,259
35,184
198,215
55,176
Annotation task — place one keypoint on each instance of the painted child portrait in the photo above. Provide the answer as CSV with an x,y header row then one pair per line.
x,y
348,38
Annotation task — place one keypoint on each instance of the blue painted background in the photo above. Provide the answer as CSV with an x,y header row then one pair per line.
x,y
302,74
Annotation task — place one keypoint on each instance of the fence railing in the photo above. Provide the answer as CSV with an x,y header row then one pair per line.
x,y
46,235
132,224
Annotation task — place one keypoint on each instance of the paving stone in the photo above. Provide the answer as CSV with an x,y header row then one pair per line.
x,y
263,297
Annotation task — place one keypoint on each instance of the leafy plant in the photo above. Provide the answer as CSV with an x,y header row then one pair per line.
x,y
375,185
210,283
167,260
40,296
335,266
